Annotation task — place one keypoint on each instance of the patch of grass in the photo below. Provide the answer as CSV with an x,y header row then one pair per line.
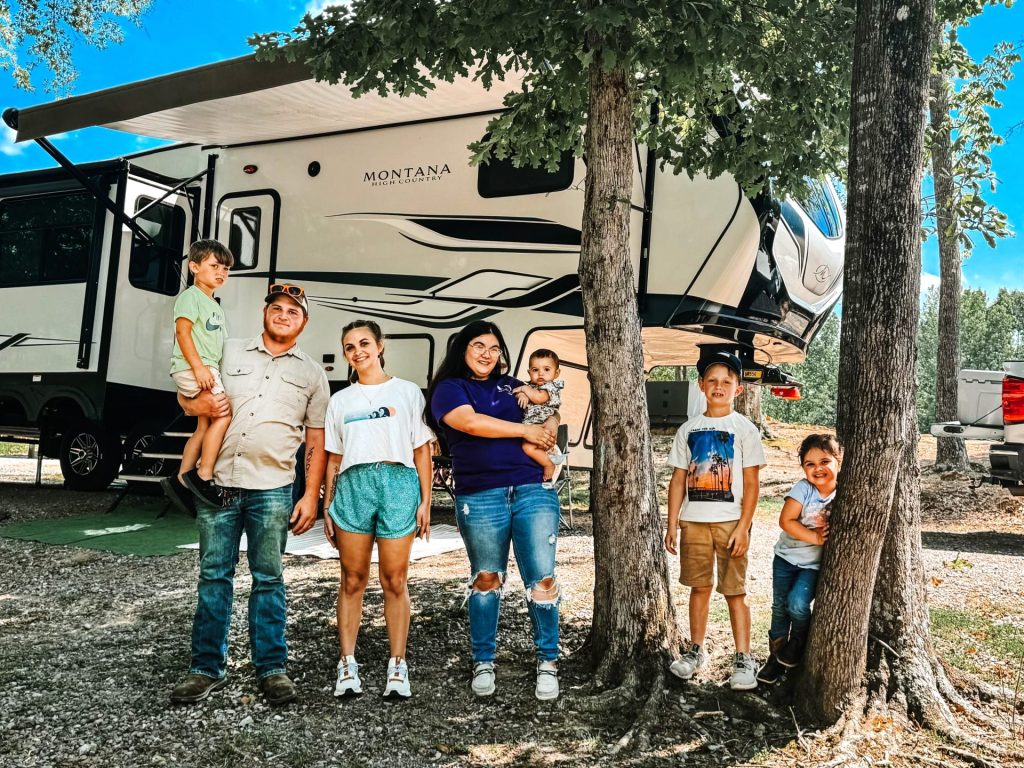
x,y
13,449
969,640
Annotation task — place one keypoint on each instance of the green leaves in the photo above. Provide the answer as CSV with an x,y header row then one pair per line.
x,y
757,90
45,29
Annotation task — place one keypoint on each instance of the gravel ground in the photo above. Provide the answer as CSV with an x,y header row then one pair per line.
x,y
92,642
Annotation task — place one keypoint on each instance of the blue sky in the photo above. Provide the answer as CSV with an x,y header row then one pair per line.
x,y
178,34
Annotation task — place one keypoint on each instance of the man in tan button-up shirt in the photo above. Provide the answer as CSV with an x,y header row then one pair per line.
x,y
278,396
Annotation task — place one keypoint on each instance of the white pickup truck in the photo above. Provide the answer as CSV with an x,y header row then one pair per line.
x,y
990,406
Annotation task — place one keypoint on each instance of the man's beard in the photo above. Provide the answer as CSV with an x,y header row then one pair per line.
x,y
277,337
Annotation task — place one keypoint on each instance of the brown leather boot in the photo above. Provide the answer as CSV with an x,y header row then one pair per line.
x,y
278,689
792,652
772,670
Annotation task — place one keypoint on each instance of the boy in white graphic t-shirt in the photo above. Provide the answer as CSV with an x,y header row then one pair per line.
x,y
717,458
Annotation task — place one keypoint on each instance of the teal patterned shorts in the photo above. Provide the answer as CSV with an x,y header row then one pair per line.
x,y
378,499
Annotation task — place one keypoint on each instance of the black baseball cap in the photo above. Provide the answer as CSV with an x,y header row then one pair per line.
x,y
727,359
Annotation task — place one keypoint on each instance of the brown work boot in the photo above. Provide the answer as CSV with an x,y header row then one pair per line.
x,y
792,653
196,688
772,670
278,689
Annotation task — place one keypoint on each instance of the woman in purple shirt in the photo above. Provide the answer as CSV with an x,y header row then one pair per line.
x,y
499,496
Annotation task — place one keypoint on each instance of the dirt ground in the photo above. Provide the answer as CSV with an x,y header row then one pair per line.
x,y
92,642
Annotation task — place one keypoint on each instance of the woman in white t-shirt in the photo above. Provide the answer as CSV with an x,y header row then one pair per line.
x,y
378,489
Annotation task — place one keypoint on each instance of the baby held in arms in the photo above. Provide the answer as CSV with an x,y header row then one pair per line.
x,y
540,400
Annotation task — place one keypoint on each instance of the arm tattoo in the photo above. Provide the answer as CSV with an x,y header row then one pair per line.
x,y
309,458
332,484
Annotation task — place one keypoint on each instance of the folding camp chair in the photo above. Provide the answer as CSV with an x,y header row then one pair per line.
x,y
564,479
441,462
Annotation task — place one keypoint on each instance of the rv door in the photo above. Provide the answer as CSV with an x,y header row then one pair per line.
x,y
150,276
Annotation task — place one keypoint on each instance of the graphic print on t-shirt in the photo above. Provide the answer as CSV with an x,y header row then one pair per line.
x,y
383,412
709,477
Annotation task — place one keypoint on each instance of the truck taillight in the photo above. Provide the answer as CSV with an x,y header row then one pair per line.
x,y
786,393
1013,400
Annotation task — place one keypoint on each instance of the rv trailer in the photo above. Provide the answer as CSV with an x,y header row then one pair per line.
x,y
372,205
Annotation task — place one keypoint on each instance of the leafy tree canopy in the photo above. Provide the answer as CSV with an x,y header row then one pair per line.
x,y
973,92
769,78
41,33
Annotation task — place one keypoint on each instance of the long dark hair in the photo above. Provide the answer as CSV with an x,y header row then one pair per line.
x,y
454,364
374,330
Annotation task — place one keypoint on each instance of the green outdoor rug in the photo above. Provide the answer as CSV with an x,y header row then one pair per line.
x,y
135,527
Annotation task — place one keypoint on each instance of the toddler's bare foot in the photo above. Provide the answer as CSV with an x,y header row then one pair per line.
x,y
549,471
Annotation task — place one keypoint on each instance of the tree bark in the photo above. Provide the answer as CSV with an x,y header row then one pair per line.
x,y
877,351
902,665
634,626
748,402
951,455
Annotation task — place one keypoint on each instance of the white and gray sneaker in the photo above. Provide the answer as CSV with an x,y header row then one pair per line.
x,y
686,665
744,673
398,680
547,680
348,683
483,678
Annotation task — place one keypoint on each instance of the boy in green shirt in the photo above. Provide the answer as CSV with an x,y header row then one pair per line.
x,y
199,335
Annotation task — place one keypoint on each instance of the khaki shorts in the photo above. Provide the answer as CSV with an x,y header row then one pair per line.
x,y
702,544
185,381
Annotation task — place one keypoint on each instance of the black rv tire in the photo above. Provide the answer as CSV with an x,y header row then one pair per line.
x,y
142,435
89,456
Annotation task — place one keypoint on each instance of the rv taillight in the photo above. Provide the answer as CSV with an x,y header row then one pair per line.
x,y
786,393
1013,400
250,169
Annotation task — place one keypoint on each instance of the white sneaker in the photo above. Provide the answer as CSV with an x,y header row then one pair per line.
x,y
744,673
685,666
483,678
348,683
398,680
547,681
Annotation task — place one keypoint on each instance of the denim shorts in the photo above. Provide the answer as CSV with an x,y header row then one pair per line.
x,y
379,499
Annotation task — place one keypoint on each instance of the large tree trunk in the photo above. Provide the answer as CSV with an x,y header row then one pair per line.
x,y
877,351
951,451
634,624
902,665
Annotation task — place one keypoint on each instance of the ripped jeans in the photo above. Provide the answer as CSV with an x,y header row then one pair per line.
x,y
527,517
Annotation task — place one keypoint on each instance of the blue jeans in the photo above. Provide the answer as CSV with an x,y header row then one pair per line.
x,y
793,591
263,515
527,517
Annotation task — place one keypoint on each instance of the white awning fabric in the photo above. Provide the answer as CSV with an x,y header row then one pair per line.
x,y
242,100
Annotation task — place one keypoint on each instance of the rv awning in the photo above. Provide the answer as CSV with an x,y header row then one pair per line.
x,y
242,100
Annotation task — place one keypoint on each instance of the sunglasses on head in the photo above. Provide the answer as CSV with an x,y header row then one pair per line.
x,y
291,290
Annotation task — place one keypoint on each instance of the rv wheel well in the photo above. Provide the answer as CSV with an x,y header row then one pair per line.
x,y
60,410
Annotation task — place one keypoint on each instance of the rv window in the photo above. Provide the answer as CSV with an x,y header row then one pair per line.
x,y
818,202
45,239
244,237
156,266
499,178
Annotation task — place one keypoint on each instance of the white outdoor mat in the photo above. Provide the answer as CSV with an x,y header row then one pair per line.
x,y
443,538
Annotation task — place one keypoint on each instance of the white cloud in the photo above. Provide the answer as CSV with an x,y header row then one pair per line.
x,y
316,7
7,145
929,281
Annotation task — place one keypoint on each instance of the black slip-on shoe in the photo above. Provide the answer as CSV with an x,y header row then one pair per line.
x,y
196,688
206,490
178,495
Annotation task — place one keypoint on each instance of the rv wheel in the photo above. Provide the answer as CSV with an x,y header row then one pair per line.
x,y
139,438
89,456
